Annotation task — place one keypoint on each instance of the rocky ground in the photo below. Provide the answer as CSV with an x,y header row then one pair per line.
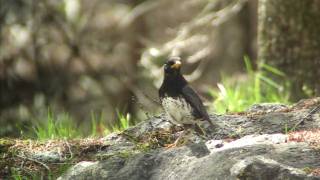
x,y
268,141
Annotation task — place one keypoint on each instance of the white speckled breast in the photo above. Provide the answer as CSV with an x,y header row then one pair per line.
x,y
178,110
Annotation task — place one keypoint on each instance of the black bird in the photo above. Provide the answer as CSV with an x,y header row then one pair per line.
x,y
180,102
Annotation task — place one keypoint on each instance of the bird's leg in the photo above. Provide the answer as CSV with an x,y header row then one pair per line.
x,y
211,124
199,130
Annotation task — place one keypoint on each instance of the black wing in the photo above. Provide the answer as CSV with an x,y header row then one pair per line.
x,y
161,93
193,99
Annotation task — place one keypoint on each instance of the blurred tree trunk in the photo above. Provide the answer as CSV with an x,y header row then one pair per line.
x,y
288,38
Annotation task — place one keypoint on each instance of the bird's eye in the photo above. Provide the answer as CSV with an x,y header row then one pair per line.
x,y
170,63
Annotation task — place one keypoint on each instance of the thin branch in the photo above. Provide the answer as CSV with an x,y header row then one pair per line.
x,y
313,111
34,160
138,11
69,148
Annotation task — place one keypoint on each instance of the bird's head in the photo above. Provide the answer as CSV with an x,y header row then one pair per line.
x,y
172,66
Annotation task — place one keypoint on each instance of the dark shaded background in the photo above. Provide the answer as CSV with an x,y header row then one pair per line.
x,y
81,56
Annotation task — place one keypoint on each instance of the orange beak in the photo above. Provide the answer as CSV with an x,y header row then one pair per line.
x,y
176,65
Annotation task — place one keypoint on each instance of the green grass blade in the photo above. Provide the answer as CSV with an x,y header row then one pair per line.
x,y
273,70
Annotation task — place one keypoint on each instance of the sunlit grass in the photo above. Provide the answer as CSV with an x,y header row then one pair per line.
x,y
56,126
97,125
62,126
124,121
258,87
99,128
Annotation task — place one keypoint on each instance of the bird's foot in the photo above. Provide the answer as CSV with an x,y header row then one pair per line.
x,y
173,145
177,143
180,141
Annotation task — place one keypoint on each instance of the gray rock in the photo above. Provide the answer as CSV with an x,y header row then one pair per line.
x,y
78,169
250,157
261,168
149,125
48,156
267,107
252,145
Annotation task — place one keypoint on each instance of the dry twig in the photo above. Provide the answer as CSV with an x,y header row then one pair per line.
x,y
34,160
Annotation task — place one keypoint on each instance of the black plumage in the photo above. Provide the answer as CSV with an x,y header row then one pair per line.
x,y
180,102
